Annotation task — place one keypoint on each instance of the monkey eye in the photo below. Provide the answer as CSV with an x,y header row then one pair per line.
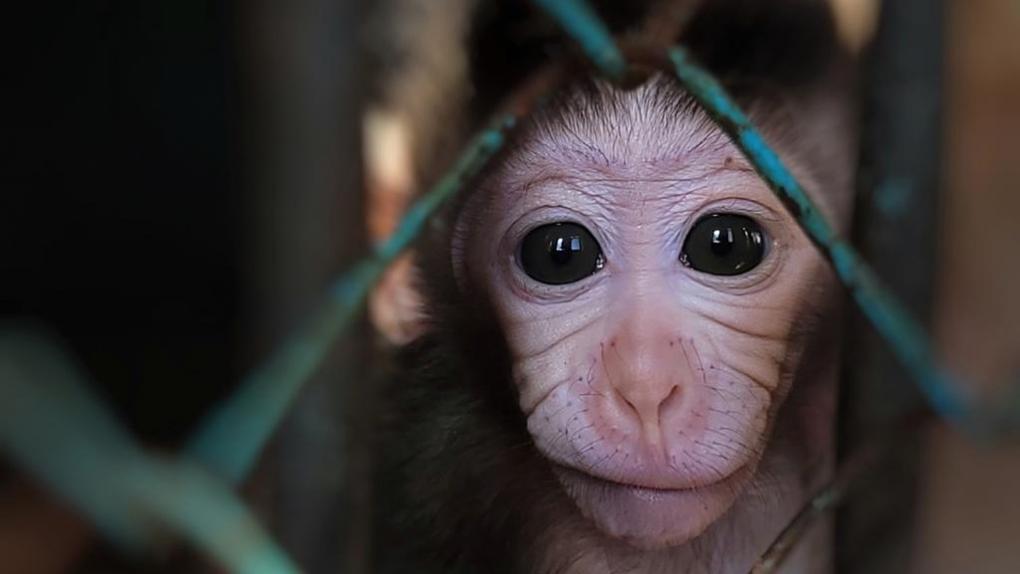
x,y
724,244
560,253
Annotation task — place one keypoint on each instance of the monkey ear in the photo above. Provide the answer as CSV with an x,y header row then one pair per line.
x,y
395,305
855,21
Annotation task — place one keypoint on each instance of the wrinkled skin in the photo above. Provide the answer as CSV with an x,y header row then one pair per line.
x,y
649,386
649,417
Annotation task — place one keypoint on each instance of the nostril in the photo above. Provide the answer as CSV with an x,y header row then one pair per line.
x,y
632,406
664,404
647,407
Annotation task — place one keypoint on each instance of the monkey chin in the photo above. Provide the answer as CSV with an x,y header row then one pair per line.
x,y
651,518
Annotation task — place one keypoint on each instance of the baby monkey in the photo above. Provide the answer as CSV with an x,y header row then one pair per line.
x,y
628,361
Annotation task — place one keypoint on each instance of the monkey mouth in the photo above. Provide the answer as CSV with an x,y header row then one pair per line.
x,y
651,517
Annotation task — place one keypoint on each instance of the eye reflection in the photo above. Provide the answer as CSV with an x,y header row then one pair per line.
x,y
724,244
560,253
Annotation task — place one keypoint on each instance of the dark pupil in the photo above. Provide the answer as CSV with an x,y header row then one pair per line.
x,y
560,253
724,244
722,241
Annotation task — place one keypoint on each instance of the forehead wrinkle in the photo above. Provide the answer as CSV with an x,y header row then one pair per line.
x,y
539,160
611,195
607,187
609,138
678,155
608,202
619,150
598,123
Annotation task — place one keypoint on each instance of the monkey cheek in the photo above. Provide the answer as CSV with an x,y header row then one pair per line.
x,y
649,518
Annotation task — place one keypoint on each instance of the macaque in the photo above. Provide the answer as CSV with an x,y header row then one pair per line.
x,y
629,353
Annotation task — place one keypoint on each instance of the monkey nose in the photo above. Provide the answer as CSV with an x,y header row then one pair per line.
x,y
648,408
643,377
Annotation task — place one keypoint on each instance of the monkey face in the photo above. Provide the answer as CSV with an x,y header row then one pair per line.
x,y
649,286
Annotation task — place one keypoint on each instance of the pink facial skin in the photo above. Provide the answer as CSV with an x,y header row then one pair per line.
x,y
650,387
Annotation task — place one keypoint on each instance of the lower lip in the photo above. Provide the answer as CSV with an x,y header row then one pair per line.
x,y
650,517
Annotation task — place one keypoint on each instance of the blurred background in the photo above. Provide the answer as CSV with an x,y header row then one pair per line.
x,y
187,177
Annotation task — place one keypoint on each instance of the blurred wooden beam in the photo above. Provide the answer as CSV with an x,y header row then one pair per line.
x,y
899,184
302,133
969,510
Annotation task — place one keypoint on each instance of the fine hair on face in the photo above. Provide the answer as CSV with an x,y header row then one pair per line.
x,y
628,361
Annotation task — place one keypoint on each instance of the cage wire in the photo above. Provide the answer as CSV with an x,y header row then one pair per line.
x,y
139,499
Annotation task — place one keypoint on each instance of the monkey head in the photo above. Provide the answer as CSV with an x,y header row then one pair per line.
x,y
653,294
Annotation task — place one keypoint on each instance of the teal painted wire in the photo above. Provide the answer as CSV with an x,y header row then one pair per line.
x,y
187,499
230,440
56,429
585,27
53,427
907,339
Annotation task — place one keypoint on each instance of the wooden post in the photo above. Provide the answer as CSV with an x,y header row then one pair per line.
x,y
301,100
899,184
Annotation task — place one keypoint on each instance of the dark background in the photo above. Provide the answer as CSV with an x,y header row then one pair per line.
x,y
120,217
183,184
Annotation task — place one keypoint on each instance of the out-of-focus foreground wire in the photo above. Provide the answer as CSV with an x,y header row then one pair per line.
x,y
54,427
230,440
